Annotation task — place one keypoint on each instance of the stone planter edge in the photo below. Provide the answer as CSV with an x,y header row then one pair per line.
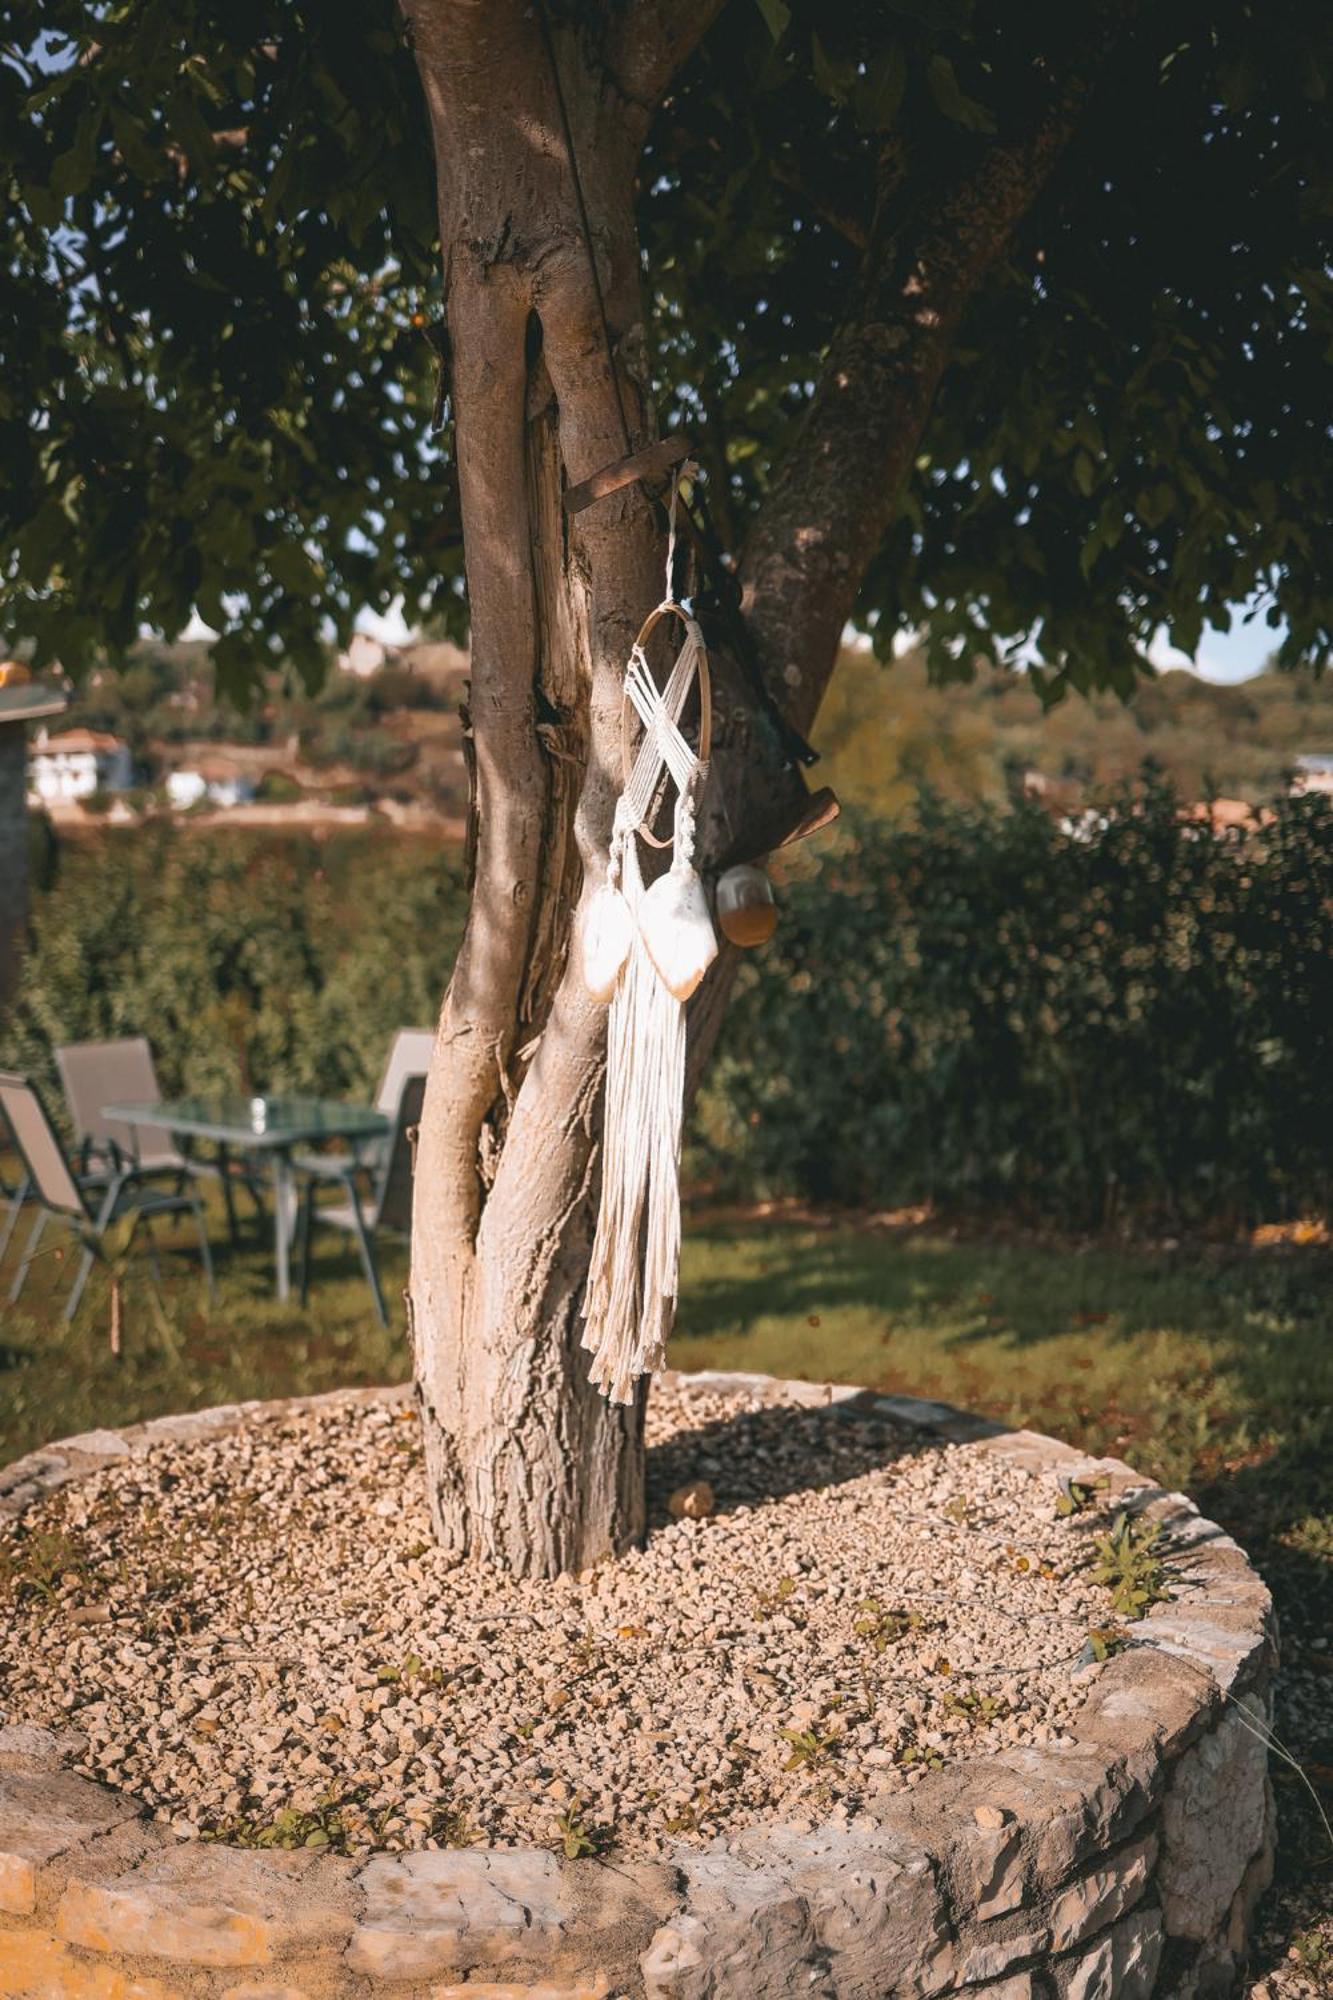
x,y
1123,1866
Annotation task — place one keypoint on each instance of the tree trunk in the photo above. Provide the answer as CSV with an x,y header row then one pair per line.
x,y
13,853
527,1465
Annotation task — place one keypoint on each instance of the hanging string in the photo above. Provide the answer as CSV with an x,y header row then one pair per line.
x,y
676,478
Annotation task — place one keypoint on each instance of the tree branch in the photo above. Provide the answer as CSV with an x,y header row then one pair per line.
x,y
655,39
852,228
839,489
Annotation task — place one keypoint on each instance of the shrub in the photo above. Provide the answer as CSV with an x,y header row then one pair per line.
x,y
250,962
278,788
981,1007
976,1008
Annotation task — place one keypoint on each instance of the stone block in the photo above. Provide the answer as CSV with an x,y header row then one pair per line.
x,y
996,1856
1229,1642
263,1989
212,1906
97,1444
18,1886
1120,1965
874,1903
744,1931
994,1957
24,1746
432,1913
1082,1801
43,1815
1143,1698
1255,1882
545,1989
1102,1895
36,1966
1214,1822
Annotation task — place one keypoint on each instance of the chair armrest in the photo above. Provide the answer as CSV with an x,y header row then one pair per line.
x,y
332,1168
102,1157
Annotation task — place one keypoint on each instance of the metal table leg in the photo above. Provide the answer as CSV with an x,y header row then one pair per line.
x,y
284,1214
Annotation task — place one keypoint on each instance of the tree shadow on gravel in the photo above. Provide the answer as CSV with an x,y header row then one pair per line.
x,y
767,1454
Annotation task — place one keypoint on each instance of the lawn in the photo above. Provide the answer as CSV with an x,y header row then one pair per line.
x,y
1211,1369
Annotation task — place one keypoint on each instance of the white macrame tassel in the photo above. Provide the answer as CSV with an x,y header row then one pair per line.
x,y
632,1277
631,1292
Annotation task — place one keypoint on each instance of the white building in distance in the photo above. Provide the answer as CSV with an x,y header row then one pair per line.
x,y
214,781
364,656
71,766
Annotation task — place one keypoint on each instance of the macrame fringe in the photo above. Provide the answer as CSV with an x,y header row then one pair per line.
x,y
631,1297
632,1281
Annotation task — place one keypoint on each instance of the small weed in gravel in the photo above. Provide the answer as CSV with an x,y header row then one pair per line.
x,y
1129,1564
1079,1496
810,1748
577,1836
882,1625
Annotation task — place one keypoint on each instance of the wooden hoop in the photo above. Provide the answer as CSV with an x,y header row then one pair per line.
x,y
669,608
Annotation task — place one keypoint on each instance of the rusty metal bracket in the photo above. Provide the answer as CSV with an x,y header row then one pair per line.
x,y
650,463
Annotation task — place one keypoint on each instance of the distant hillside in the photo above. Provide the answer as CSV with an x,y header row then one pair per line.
x,y
394,734
884,732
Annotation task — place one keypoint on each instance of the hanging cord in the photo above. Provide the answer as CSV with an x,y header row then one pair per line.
x,y
548,41
686,471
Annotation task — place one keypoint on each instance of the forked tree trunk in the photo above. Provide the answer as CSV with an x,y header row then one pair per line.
x,y
527,1465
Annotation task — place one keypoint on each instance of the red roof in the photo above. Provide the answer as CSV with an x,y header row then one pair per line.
x,y
78,739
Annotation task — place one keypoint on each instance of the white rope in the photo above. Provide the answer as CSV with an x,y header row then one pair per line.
x,y
632,1278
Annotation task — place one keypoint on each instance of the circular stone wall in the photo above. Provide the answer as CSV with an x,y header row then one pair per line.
x,y
1120,1859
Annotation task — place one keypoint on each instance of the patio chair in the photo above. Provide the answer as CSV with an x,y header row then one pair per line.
x,y
88,1205
14,1192
409,1055
97,1073
386,1205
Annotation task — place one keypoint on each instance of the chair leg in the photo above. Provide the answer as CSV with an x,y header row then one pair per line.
x,y
80,1280
16,1201
305,1219
367,1254
228,1196
29,1252
93,1243
205,1254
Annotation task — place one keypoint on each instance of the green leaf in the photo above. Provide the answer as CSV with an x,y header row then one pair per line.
x,y
879,95
135,147
73,170
833,79
43,204
777,17
952,100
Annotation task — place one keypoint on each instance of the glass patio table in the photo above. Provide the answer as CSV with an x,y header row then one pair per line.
x,y
271,1128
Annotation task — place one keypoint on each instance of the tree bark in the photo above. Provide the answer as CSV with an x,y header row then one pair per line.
x,y
527,1465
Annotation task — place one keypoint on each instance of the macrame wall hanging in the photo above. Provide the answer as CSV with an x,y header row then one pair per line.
x,y
645,951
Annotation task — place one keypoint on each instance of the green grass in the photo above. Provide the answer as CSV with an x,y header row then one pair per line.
x,y
1192,1364
1211,1370
185,1354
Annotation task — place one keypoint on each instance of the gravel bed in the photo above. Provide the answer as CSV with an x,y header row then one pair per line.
x,y
255,1635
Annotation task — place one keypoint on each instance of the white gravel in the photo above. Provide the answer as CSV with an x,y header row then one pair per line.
x,y
259,1625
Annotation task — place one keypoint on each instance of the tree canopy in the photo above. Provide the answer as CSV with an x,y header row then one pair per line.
x,y
222,254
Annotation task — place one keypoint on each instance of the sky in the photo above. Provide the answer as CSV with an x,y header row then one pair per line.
x,y
1223,656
